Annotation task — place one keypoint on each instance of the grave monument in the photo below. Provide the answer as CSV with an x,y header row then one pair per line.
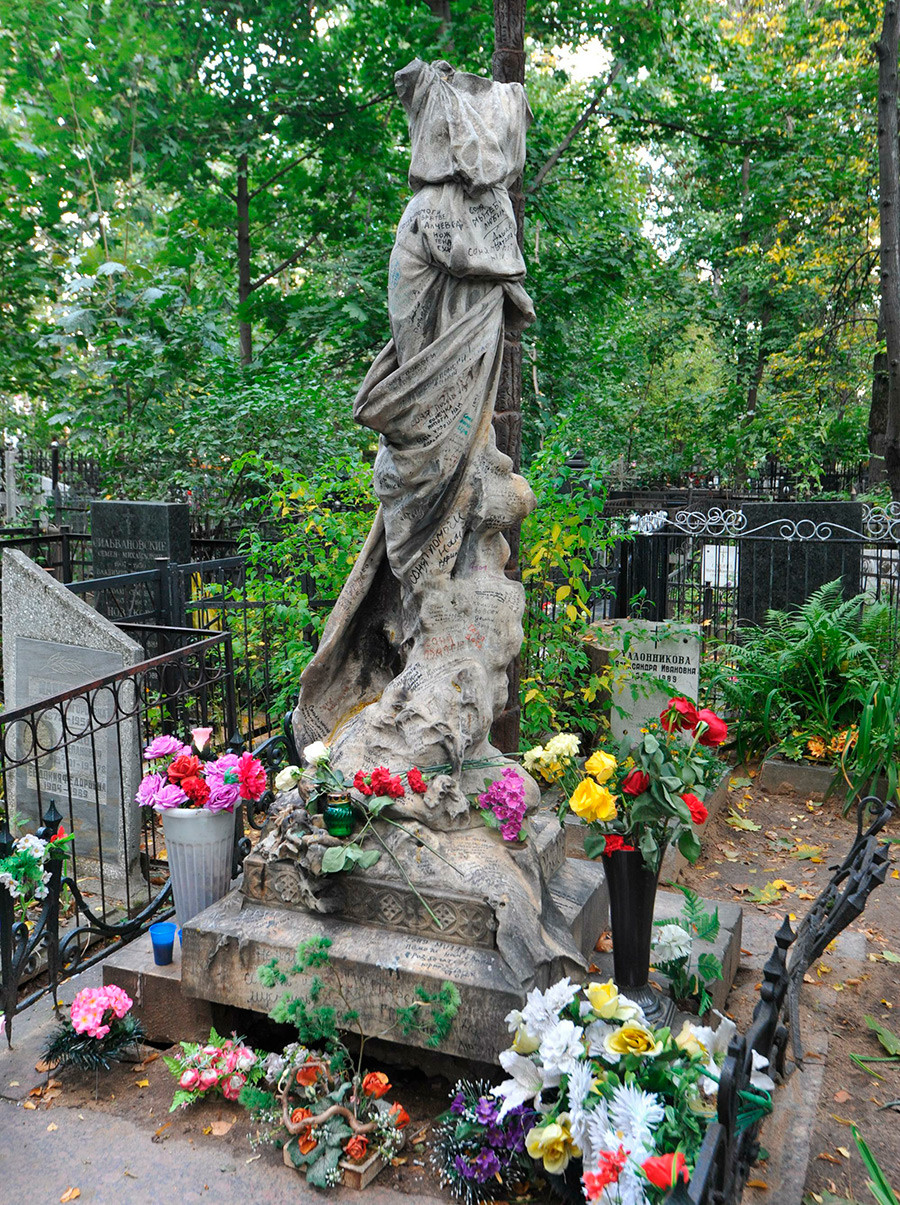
x,y
412,667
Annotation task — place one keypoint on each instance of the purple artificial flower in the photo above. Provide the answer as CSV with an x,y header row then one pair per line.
x,y
458,1104
496,1136
169,796
464,1168
506,799
149,786
486,1110
162,746
486,1164
222,796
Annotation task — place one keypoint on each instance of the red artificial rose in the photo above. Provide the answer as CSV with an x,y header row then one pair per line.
x,y
376,1083
184,766
59,834
196,789
696,808
616,844
416,781
399,1116
251,776
356,1147
308,1074
635,782
664,1171
359,782
715,731
678,714
379,780
305,1140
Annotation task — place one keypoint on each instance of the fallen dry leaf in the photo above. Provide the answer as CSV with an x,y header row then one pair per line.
x,y
398,1161
842,1096
843,1151
142,1083
151,1058
218,1128
757,1184
43,1066
827,1156
604,942
51,1127
161,1128
71,1194
844,1121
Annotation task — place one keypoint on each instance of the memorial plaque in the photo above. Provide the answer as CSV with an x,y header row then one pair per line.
x,y
96,775
645,651
789,550
127,537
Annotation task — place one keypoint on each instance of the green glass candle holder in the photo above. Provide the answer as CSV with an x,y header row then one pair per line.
x,y
337,815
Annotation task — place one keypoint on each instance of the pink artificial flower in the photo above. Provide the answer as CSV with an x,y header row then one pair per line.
x,y
251,776
149,785
170,796
162,746
208,1079
190,1079
231,1088
201,737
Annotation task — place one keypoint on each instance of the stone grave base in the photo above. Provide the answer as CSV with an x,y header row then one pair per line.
x,y
379,968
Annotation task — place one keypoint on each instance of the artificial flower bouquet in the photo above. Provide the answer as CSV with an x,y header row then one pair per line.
x,y
375,789
219,1067
98,1030
187,776
651,792
478,1156
625,1104
325,1116
24,873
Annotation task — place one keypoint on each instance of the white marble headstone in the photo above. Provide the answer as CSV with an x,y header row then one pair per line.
x,y
644,652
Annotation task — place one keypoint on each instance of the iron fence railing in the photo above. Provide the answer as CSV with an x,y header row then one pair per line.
x,y
75,759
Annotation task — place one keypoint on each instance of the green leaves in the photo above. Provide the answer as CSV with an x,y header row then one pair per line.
x,y
344,857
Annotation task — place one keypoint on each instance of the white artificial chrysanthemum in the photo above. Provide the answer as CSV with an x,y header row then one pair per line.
x,y
562,746
581,1079
595,1033
595,1128
527,1083
634,1113
532,757
757,1079
671,943
715,1043
561,1047
317,752
627,1190
542,1009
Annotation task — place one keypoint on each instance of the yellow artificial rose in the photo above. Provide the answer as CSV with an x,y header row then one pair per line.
x,y
523,1042
592,802
633,1039
608,1004
553,1143
688,1041
601,765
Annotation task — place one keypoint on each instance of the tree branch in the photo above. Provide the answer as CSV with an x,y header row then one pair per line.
x,y
292,259
576,129
271,180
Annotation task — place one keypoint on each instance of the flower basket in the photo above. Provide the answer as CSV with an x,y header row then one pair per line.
x,y
353,1175
199,845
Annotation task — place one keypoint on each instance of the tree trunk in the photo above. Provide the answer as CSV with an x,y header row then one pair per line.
x,y
889,196
243,251
878,415
508,68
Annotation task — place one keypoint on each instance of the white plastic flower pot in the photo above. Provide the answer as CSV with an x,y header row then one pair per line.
x,y
199,845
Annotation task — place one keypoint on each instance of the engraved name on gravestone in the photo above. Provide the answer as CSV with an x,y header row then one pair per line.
x,y
127,537
96,775
670,652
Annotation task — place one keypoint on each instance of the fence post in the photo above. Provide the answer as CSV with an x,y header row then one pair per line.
x,y
54,483
9,482
65,552
52,821
9,988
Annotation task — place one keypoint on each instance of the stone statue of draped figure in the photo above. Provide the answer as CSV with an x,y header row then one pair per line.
x,y
412,666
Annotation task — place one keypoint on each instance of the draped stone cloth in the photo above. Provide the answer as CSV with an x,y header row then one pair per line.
x,y
412,665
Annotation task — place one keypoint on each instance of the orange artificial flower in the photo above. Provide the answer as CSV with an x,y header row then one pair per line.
x,y
305,1140
356,1147
399,1116
376,1083
308,1074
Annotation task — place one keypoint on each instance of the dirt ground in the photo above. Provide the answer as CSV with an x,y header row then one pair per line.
x,y
772,853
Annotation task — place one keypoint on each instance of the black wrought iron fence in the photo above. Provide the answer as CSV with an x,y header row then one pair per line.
x,y
74,760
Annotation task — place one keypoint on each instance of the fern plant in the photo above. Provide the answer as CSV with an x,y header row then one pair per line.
x,y
673,951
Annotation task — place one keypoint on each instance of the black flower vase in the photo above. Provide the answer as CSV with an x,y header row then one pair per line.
x,y
632,896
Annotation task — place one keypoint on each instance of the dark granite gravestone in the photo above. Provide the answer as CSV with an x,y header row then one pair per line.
x,y
127,537
789,550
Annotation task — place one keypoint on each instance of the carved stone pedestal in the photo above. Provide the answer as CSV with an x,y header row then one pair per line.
x,y
380,962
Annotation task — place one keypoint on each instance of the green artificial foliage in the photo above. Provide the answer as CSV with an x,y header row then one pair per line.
x,y
71,1049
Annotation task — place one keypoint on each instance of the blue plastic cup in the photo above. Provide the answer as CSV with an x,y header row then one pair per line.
x,y
162,935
